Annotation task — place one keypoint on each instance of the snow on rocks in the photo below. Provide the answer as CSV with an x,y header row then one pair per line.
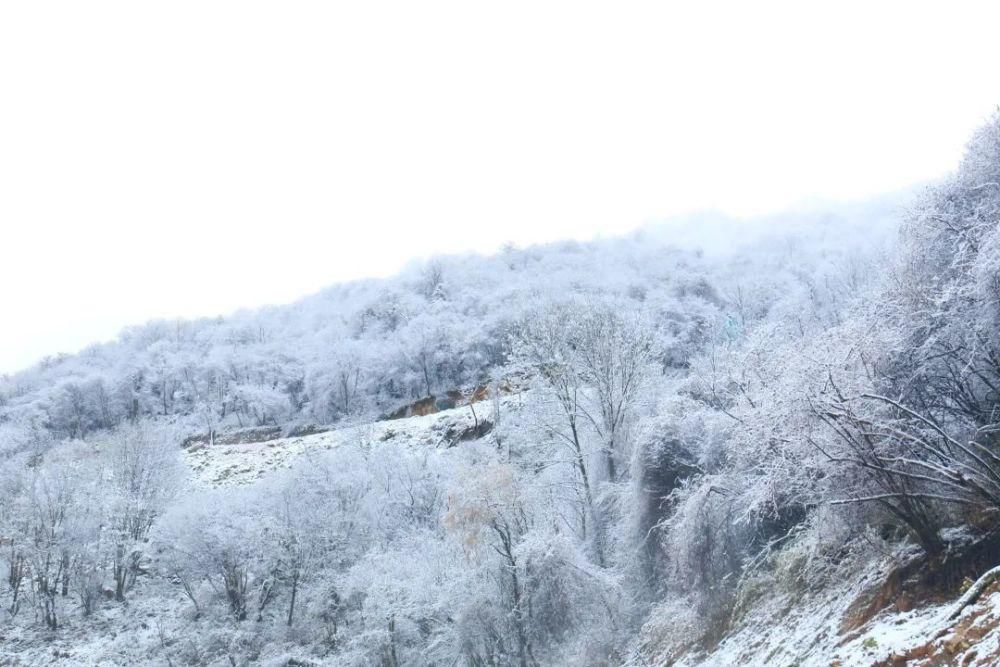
x,y
807,631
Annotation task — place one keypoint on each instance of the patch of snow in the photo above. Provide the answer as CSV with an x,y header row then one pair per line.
x,y
230,465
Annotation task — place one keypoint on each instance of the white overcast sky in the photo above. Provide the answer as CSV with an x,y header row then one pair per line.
x,y
164,159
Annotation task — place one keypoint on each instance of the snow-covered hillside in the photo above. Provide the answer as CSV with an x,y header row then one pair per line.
x,y
356,350
221,465
158,625
787,454
850,622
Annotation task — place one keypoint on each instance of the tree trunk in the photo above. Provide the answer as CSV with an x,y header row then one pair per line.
x,y
65,574
291,604
119,573
591,508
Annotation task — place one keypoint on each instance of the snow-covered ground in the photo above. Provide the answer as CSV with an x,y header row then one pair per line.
x,y
786,630
228,465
